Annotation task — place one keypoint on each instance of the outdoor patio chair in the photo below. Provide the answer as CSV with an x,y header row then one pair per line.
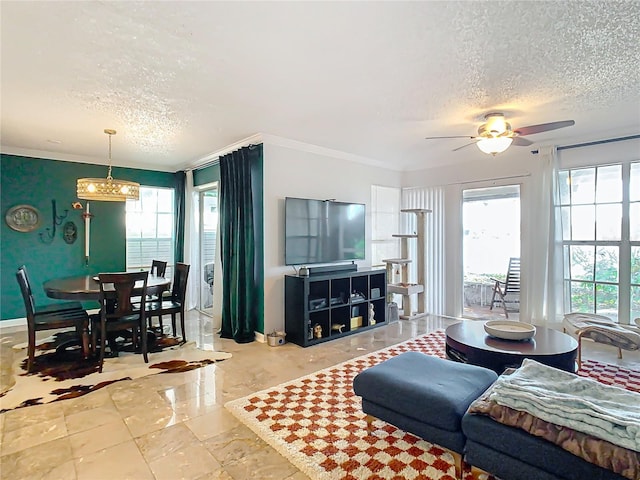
x,y
510,287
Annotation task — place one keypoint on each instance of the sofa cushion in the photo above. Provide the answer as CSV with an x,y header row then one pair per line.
x,y
507,452
426,388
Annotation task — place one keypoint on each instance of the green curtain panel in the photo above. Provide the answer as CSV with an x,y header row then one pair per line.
x,y
237,245
180,216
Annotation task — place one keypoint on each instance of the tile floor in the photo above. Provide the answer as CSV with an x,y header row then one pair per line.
x,y
174,426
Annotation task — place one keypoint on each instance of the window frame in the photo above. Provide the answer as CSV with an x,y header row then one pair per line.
x,y
380,215
624,244
158,253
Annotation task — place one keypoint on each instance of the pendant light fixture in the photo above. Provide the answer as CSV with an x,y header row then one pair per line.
x,y
495,135
107,189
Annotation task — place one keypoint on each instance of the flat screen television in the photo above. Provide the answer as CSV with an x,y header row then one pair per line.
x,y
323,231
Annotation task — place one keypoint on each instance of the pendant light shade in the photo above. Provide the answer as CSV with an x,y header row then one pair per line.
x,y
107,189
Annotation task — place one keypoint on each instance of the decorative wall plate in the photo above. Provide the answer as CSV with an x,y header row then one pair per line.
x,y
23,218
69,232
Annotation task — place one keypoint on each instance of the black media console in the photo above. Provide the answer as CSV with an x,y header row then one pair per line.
x,y
331,304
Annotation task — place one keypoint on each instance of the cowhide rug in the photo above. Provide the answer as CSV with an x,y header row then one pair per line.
x,y
59,375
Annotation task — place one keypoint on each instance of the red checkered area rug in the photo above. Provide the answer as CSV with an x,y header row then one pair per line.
x,y
316,421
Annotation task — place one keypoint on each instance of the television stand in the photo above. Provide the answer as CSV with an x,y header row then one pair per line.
x,y
324,307
348,267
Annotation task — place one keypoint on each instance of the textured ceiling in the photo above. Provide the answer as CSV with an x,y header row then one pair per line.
x,y
180,80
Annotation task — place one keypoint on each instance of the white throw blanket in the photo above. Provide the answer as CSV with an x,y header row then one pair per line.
x,y
565,399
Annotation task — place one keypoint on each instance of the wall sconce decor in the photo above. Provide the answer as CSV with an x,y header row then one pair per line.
x,y
70,232
56,220
86,216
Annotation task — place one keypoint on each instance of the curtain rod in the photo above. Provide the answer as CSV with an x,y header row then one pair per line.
x,y
508,177
590,144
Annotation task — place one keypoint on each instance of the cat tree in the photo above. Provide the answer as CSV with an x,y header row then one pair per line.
x,y
400,266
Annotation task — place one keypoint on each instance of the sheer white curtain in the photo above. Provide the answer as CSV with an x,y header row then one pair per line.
x,y
192,252
385,222
191,239
541,293
431,198
217,285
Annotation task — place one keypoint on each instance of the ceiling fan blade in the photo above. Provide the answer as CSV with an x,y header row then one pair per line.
x,y
543,127
463,146
521,142
455,136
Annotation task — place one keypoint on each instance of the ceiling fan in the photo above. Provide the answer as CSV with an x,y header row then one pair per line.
x,y
496,135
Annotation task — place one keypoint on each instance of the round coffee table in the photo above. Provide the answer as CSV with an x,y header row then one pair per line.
x,y
468,342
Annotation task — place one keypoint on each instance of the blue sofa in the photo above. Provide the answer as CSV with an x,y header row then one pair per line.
x,y
512,454
430,396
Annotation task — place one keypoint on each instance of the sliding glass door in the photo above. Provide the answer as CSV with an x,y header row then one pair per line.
x,y
208,228
491,236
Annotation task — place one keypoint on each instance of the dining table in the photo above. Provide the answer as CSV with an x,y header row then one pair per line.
x,y
87,288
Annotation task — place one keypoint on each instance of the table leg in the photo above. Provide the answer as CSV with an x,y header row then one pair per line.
x,y
85,340
80,337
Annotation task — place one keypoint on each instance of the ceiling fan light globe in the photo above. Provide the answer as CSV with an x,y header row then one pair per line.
x,y
494,145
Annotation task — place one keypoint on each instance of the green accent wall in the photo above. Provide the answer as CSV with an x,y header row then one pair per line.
x,y
205,175
35,182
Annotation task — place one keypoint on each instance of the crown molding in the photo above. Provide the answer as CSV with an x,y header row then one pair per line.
x,y
327,152
212,158
68,157
268,139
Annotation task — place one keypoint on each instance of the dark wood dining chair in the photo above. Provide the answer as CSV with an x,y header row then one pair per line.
x,y
174,303
50,317
52,307
158,268
118,313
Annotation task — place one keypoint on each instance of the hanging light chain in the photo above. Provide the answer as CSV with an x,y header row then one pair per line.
x,y
110,133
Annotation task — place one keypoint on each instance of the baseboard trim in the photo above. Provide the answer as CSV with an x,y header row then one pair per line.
x,y
21,323
17,323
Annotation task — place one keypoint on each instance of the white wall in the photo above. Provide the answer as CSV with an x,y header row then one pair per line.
x,y
290,171
481,170
623,151
516,166
476,166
